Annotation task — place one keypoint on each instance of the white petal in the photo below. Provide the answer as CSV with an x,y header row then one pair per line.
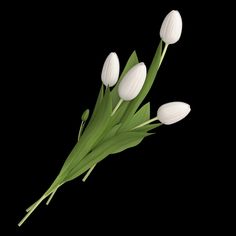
x,y
110,70
171,28
132,83
172,112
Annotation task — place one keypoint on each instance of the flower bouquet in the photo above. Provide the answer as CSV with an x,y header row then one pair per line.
x,y
118,121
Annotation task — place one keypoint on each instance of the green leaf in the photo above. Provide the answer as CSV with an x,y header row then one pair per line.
x,y
132,61
152,72
148,127
98,102
112,132
142,115
92,133
109,134
131,143
116,144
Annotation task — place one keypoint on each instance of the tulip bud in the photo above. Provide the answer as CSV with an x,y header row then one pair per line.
x,y
171,28
132,82
85,115
172,112
110,70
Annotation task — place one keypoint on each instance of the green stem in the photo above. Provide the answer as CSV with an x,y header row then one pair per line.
x,y
31,210
146,122
117,106
89,172
56,184
51,196
163,53
30,207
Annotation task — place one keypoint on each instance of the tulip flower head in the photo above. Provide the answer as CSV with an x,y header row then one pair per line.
x,y
110,70
132,83
173,112
171,27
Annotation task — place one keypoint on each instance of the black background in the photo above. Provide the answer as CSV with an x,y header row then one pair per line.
x,y
53,62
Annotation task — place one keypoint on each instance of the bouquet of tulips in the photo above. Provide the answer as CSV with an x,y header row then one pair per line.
x,y
118,121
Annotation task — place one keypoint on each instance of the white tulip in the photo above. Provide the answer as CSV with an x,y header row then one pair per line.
x,y
172,112
110,70
132,82
171,28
